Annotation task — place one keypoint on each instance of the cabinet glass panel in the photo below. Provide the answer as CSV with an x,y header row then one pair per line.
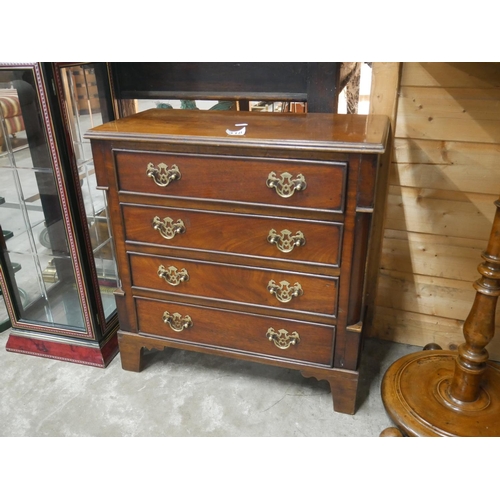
x,y
34,241
83,95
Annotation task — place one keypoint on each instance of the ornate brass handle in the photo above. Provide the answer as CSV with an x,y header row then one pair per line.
x,y
285,241
285,186
284,292
162,175
176,321
282,338
168,228
172,276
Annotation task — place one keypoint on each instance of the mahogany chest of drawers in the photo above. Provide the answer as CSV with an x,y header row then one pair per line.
x,y
248,241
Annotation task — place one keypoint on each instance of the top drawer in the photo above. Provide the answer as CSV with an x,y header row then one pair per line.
x,y
268,182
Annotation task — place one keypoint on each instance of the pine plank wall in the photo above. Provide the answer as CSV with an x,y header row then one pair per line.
x,y
443,179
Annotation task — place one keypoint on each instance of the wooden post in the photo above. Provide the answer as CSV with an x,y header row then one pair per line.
x,y
383,101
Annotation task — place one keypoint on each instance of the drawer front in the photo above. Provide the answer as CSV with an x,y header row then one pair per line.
x,y
248,235
239,331
294,184
261,287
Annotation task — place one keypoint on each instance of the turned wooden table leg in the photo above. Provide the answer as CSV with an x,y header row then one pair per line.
x,y
479,327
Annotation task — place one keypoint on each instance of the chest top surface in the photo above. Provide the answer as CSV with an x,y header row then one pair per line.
x,y
314,131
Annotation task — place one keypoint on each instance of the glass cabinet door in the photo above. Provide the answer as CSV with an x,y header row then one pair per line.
x,y
58,271
85,105
34,240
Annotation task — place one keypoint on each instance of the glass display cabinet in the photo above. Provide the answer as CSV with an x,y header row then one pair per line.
x,y
57,264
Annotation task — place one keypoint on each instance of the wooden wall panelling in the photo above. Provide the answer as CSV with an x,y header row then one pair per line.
x,y
431,255
446,165
429,295
443,181
449,114
452,75
434,211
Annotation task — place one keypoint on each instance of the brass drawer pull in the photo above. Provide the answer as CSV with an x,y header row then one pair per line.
x,y
282,338
286,186
172,276
176,321
285,241
162,175
167,227
284,292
